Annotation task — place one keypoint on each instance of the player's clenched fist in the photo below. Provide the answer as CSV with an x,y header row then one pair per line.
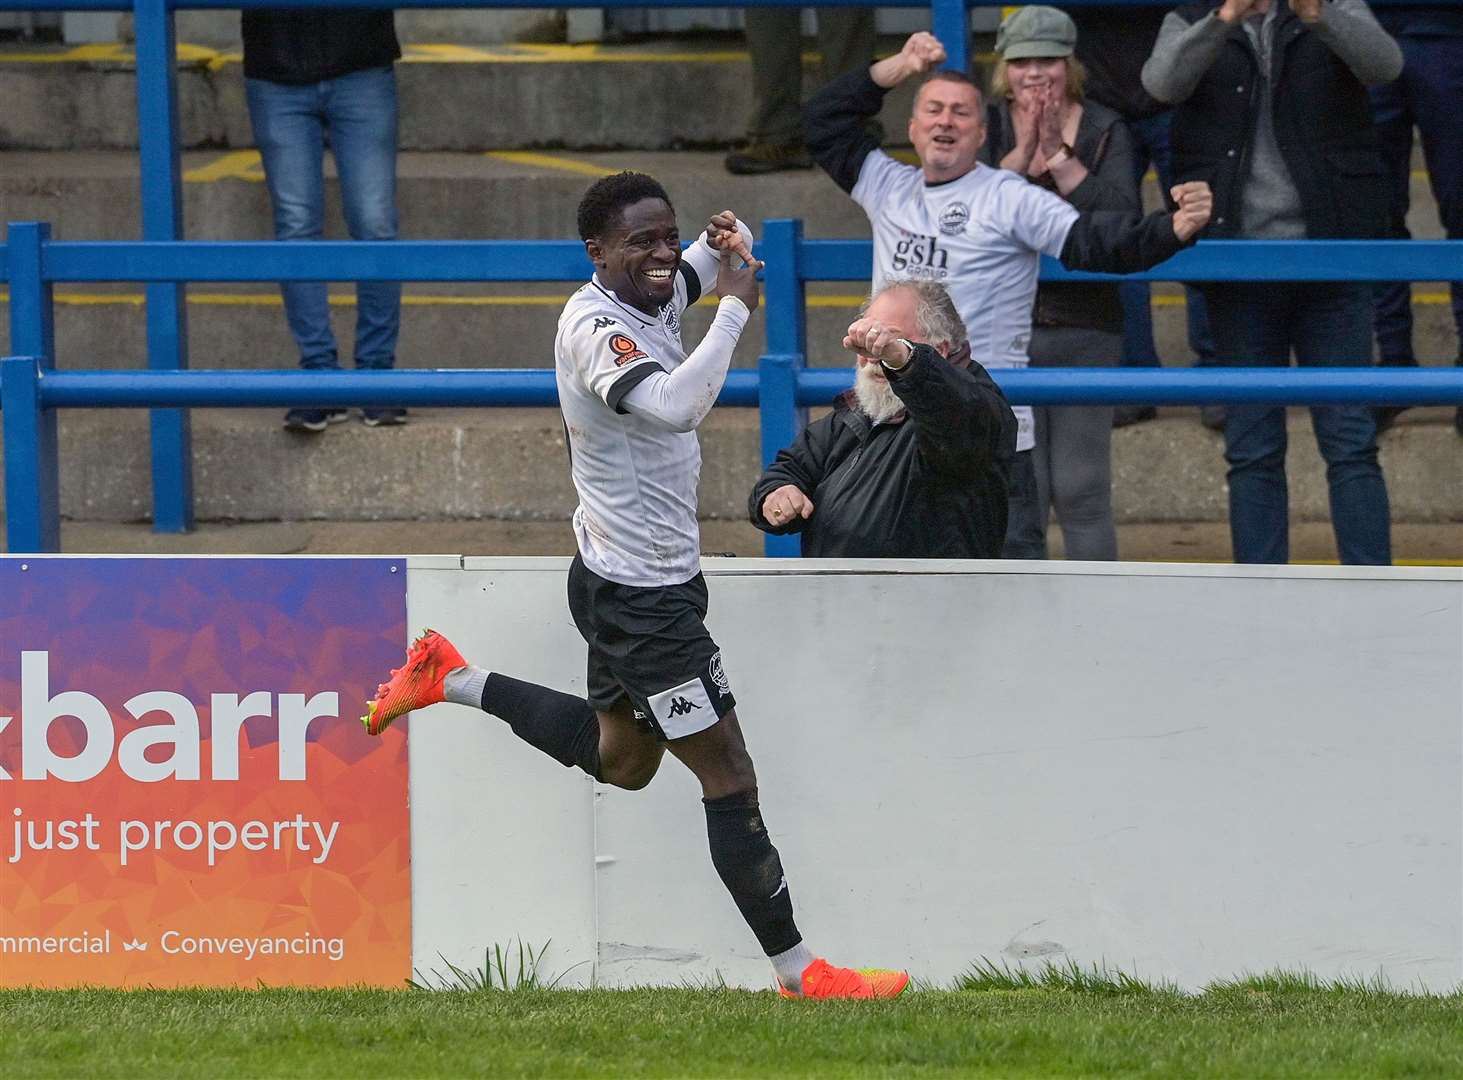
x,y
922,52
871,338
722,234
1195,202
787,503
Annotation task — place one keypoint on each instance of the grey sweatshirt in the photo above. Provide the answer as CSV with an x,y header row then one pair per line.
x,y
1270,203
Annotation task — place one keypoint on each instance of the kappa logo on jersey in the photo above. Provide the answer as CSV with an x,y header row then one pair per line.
x,y
718,675
921,256
600,323
625,350
954,219
681,706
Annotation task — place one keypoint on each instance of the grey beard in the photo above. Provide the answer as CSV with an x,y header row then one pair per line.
x,y
876,400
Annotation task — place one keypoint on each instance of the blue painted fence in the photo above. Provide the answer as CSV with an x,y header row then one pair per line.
x,y
165,265
31,389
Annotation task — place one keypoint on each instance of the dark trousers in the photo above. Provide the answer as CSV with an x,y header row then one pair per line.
x,y
1025,523
1150,144
1328,325
774,38
1428,95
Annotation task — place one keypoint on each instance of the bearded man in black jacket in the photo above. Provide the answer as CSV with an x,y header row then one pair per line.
x,y
915,460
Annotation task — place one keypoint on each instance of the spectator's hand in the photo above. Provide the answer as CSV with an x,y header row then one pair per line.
x,y
1307,11
1025,122
871,338
787,503
1232,11
1049,122
740,282
922,52
723,235
1195,203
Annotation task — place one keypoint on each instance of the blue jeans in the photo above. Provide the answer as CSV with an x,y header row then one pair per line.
x,y
1150,143
1328,325
1428,94
356,114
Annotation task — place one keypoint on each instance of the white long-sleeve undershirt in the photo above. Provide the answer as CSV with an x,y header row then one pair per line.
x,y
680,399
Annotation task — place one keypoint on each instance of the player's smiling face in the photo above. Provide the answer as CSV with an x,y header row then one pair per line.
x,y
638,258
947,128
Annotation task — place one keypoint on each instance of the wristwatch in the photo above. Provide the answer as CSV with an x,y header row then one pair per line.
x,y
908,345
1063,153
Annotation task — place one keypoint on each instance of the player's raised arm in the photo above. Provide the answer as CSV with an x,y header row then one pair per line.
x,y
680,399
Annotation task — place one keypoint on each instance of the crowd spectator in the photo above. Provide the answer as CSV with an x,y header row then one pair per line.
x,y
312,77
1427,94
1273,111
1113,42
1038,84
912,462
977,230
774,39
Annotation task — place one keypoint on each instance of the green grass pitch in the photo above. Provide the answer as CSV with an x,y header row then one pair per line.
x,y
996,1025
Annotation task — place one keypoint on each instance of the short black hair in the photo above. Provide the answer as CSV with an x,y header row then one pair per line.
x,y
599,210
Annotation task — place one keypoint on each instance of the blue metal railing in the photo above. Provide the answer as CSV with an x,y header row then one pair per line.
x,y
161,268
31,389
161,184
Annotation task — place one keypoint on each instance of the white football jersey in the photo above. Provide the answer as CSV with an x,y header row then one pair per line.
x,y
981,236
636,480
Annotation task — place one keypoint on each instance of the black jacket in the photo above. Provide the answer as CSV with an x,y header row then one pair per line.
x,y
931,484
836,127
1113,43
1323,126
299,46
1105,147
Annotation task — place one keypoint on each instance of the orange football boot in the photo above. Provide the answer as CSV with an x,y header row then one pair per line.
x,y
823,981
414,685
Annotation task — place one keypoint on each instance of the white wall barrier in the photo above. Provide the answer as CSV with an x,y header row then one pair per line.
x,y
1186,772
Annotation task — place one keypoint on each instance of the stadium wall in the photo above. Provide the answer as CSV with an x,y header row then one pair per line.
x,y
1185,772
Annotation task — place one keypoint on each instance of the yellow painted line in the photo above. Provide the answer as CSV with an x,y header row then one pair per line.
x,y
836,300
1151,177
550,161
235,165
592,52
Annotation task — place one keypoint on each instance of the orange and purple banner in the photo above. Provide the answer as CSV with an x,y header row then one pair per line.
x,y
187,797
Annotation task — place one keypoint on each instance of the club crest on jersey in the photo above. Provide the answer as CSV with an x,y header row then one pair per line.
x,y
718,675
672,320
954,218
625,350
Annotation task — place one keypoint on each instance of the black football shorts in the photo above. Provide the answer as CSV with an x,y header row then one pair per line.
x,y
650,645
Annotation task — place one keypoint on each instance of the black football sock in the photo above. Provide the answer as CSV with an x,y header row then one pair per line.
x,y
743,855
561,725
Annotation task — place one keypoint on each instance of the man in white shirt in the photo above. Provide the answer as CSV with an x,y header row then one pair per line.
x,y
976,230
632,398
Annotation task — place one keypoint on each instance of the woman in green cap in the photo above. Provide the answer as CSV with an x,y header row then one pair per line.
x,y
1042,128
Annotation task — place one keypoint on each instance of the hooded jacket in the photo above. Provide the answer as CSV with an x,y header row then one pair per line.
x,y
931,483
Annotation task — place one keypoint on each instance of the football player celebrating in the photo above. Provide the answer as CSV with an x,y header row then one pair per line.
x,y
632,398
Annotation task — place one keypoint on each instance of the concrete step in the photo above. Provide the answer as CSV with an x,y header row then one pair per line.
x,y
1186,542
511,464
504,96
93,195
473,329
